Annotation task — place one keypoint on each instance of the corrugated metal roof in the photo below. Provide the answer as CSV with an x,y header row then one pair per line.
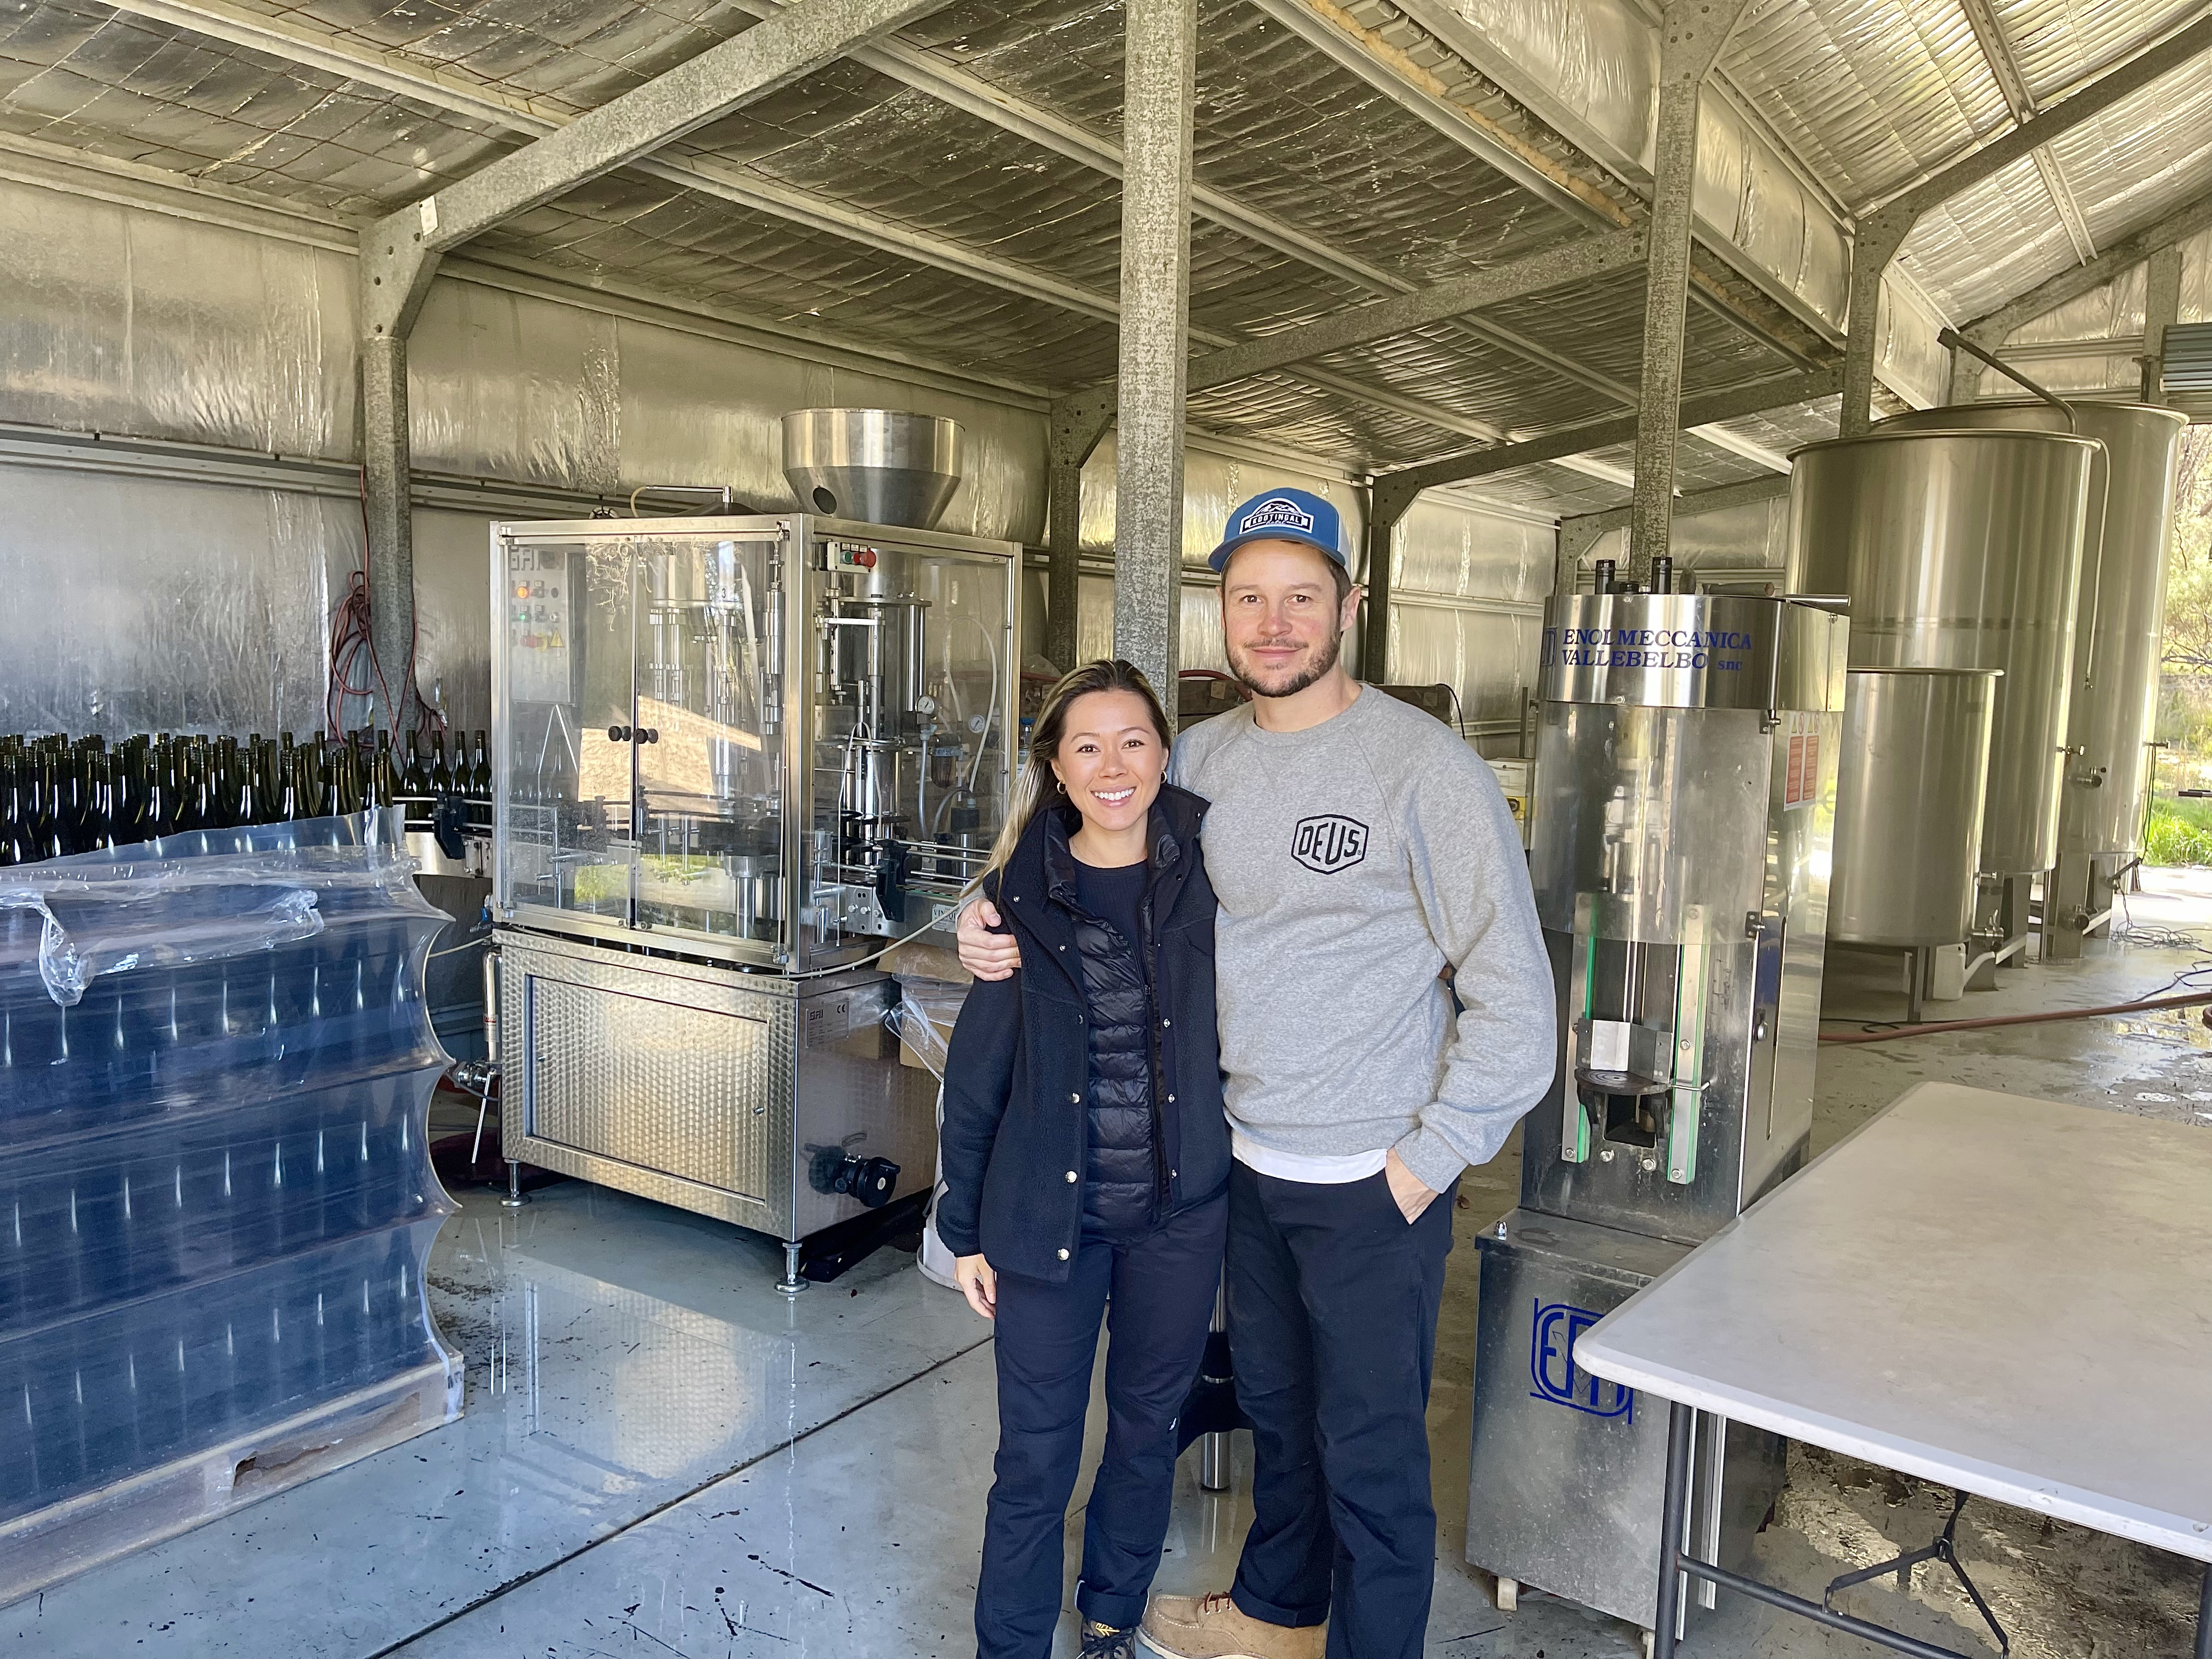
x,y
1871,96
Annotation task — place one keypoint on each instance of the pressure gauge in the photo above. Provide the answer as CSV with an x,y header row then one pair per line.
x,y
979,724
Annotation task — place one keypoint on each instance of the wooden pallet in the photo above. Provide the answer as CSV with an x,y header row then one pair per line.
x,y
41,1549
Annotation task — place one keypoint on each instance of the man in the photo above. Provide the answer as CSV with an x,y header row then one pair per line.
x,y
1359,847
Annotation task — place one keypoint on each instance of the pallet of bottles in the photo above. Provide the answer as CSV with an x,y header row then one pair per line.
x,y
216,1192
60,797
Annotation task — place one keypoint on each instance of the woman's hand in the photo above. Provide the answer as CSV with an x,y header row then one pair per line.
x,y
978,1284
984,951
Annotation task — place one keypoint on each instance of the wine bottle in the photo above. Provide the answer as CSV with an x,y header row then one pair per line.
x,y
46,831
99,823
442,773
480,785
14,841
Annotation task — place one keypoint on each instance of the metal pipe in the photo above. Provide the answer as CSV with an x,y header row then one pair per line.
x,y
1673,1526
1213,1462
1879,1635
1957,342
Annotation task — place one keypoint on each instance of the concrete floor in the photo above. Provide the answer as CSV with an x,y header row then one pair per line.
x,y
661,1455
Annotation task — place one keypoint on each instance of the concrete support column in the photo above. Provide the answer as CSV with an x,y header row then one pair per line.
x,y
1966,377
1879,236
1063,542
1160,58
1692,33
390,555
1073,429
2161,310
1389,499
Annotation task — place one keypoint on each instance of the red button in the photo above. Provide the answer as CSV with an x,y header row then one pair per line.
x,y
866,558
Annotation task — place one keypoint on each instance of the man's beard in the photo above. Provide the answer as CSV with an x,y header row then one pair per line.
x,y
1323,660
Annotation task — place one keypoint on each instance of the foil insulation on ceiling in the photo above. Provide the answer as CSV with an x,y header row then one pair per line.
x,y
1445,547
1592,66
1869,93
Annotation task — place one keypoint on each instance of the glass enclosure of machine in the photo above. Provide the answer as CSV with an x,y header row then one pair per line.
x,y
772,740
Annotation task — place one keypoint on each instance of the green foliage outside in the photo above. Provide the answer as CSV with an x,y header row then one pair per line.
x,y
2180,831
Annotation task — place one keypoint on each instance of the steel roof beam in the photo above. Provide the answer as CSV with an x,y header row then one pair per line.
x,y
399,254
1882,232
1991,330
2131,250
1757,397
1586,259
1996,53
743,187
1326,26
765,58
1691,34
1587,527
2162,311
1392,494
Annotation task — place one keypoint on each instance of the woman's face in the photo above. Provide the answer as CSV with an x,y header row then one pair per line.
x,y
1111,759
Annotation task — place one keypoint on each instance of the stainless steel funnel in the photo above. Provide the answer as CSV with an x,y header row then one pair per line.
x,y
878,465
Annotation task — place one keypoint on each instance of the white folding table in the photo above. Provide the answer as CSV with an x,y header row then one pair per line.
x,y
2012,1296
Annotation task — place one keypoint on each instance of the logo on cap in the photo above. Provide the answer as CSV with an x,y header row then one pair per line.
x,y
1276,510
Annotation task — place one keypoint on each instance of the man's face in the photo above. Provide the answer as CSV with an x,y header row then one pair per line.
x,y
1279,615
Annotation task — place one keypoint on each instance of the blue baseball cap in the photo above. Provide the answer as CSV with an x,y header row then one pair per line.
x,y
1282,515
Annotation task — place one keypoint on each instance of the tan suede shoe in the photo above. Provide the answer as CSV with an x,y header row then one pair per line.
x,y
1215,1627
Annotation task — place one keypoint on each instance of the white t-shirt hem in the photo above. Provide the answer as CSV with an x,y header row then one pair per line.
x,y
1315,1169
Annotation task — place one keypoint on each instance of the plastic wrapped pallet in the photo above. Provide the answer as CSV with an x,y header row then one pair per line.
x,y
927,1010
216,1192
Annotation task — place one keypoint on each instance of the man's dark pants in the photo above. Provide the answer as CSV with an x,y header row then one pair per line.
x,y
1333,1301
1162,1287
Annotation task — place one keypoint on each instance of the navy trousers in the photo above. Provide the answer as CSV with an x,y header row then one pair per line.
x,y
1159,1287
1333,1301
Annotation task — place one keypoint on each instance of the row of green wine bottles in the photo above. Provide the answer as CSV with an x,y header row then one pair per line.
x,y
60,796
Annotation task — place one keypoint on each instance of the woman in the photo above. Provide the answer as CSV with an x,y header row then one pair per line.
x,y
1086,1156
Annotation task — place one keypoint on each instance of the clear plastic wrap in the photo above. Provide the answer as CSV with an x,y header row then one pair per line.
x,y
215,1194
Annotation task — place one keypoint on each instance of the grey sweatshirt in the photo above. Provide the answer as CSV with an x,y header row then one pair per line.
x,y
1354,860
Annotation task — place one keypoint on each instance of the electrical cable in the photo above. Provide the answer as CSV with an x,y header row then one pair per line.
x,y
2191,1000
351,634
862,961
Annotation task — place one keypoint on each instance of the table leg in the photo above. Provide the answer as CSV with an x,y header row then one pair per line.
x,y
1673,1523
2205,1616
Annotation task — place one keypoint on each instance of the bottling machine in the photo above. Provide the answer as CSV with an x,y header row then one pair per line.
x,y
1686,771
735,759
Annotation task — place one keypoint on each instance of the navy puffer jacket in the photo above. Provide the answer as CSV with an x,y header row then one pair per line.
x,y
1125,1176
1019,1077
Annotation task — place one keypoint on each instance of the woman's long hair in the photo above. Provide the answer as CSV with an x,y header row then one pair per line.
x,y
1039,785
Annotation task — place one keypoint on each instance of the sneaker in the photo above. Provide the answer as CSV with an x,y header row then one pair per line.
x,y
1215,1627
1106,1642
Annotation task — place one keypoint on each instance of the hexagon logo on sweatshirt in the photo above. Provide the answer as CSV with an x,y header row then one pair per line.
x,y
1328,844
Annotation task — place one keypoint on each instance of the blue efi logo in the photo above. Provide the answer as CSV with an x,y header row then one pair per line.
x,y
1551,1363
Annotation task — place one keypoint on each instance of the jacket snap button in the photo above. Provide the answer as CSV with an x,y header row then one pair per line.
x,y
1165,1024
1170,1100
1077,1099
1063,1256
1070,1178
